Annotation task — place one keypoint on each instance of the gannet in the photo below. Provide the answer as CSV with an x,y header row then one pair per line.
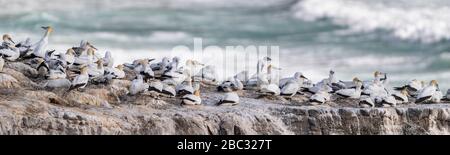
x,y
298,76
68,57
43,68
192,99
57,83
145,70
185,87
376,89
24,47
173,65
115,73
324,84
401,96
232,84
447,95
242,76
7,41
108,59
87,59
366,101
261,65
413,87
229,99
84,45
290,88
207,75
96,70
160,67
10,53
321,96
429,93
58,73
266,86
156,86
138,85
81,80
389,101
2,63
353,93
169,90
194,66
40,47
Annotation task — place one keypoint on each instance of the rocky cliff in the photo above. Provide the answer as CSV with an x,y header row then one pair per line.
x,y
26,108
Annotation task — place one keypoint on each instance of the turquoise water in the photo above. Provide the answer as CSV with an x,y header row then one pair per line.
x,y
407,39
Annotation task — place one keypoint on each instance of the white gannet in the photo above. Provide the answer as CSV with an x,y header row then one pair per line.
x,y
115,73
389,101
173,65
160,67
366,101
155,86
58,73
207,75
232,84
68,57
144,69
2,63
447,95
426,93
321,96
290,88
96,70
169,90
413,87
24,46
401,96
40,47
10,53
108,59
138,85
85,59
81,80
298,76
84,45
266,86
262,64
185,87
242,76
229,99
324,84
376,88
192,99
193,66
7,41
353,93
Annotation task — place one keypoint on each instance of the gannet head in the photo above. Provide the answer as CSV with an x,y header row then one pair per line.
x,y
377,74
89,45
331,72
356,79
267,59
39,60
120,67
434,83
83,69
7,37
404,91
48,28
99,62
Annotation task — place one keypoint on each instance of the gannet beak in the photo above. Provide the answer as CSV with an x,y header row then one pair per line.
x,y
304,77
11,40
150,60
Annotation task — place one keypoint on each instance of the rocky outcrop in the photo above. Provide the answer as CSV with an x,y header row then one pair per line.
x,y
107,109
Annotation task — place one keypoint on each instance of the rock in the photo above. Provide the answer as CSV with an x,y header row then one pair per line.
x,y
7,81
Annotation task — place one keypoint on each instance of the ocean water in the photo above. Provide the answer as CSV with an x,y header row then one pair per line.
x,y
408,39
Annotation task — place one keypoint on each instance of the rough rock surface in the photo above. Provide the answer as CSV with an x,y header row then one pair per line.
x,y
108,110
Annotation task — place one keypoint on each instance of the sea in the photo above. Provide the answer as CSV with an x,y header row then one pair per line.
x,y
407,39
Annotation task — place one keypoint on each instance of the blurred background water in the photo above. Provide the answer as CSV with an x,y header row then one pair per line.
x,y
409,39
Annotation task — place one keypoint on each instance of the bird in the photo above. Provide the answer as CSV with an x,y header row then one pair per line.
x,y
58,73
138,85
96,70
84,59
68,57
24,47
297,76
401,96
207,75
155,86
321,96
168,91
115,73
353,93
389,101
192,99
413,87
160,67
185,87
43,68
290,88
7,41
229,99
376,89
366,101
10,53
84,45
40,47
232,84
81,80
108,59
429,92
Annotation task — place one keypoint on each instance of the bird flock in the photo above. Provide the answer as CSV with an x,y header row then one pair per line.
x,y
81,66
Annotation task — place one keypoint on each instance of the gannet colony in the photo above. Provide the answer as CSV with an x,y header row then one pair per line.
x,y
79,78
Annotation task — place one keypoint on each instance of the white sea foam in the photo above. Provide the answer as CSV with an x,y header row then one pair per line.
x,y
426,22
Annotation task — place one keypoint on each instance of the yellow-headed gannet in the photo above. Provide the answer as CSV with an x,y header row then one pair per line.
x,y
81,80
96,70
401,96
40,47
10,53
192,99
321,96
2,63
115,73
429,93
290,88
108,59
7,41
353,93
168,90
